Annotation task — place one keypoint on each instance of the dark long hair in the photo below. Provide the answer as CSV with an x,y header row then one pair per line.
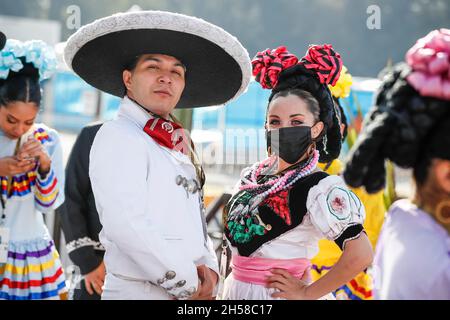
x,y
21,86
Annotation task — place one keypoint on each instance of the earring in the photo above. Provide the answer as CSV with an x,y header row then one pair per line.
x,y
440,216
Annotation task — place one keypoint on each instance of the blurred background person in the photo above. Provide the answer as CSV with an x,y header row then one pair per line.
x,y
80,221
410,125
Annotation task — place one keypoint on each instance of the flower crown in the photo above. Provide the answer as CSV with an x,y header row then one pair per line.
x,y
37,52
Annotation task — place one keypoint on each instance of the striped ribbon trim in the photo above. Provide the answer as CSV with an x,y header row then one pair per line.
x,y
32,283
34,254
37,268
21,185
46,190
36,296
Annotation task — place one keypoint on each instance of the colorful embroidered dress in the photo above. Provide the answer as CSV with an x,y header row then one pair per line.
x,y
287,226
33,269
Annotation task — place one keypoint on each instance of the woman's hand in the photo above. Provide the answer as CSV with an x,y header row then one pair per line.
x,y
290,288
34,149
11,166
357,256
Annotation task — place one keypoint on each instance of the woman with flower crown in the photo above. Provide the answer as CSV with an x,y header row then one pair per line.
x,y
285,204
31,177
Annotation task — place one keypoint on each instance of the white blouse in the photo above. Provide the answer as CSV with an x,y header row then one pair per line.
x,y
412,258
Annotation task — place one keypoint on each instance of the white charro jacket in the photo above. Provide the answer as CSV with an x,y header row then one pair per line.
x,y
152,227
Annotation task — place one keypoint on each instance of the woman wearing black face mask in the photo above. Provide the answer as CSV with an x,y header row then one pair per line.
x,y
285,204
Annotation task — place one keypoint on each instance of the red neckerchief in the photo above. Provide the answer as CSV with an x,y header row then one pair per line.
x,y
168,134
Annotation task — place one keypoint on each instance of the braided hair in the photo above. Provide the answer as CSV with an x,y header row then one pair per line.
x,y
406,125
281,71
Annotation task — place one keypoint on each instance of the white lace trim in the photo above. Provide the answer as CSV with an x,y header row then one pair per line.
x,y
83,242
165,21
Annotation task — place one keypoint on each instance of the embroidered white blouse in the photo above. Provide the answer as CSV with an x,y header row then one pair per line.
x,y
331,209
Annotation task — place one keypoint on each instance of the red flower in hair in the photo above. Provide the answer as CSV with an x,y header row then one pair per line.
x,y
268,64
324,61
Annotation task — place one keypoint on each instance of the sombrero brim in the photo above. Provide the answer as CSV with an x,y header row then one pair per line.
x,y
216,72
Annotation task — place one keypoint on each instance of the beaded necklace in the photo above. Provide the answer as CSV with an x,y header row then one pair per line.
x,y
243,220
276,185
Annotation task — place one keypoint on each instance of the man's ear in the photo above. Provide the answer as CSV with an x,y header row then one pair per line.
x,y
441,170
126,78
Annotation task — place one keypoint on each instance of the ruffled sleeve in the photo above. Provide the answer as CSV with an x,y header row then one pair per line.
x,y
335,210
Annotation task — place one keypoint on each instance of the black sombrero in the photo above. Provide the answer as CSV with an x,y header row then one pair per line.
x,y
2,40
218,66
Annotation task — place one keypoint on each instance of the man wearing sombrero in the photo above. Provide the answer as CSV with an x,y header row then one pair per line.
x,y
145,177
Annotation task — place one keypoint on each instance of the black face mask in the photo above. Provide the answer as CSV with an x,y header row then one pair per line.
x,y
289,143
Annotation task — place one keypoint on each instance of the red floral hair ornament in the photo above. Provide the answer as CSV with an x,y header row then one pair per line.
x,y
268,64
322,59
326,62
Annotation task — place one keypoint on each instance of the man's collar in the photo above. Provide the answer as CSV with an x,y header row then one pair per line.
x,y
133,111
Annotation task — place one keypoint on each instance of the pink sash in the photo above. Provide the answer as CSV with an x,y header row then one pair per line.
x,y
256,270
